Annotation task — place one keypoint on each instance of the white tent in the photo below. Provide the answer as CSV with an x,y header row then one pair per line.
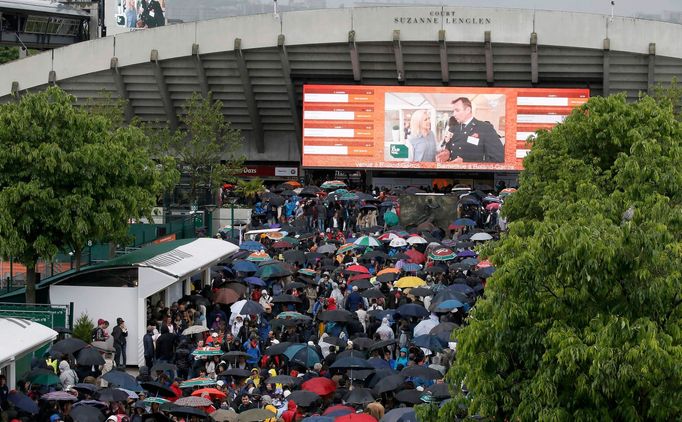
x,y
120,288
19,337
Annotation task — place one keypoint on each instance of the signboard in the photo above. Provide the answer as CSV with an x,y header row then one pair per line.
x,y
131,15
428,127
268,171
53,316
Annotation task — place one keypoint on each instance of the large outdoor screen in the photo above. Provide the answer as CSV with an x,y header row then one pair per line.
x,y
427,127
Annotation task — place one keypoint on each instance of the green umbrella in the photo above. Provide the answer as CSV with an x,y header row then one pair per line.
x,y
197,382
390,218
43,378
290,239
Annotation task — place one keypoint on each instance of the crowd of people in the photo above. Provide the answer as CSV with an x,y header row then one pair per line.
x,y
327,318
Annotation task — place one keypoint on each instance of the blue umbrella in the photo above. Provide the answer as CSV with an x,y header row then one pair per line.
x,y
318,419
251,245
469,261
429,341
255,281
378,363
122,380
411,267
467,254
447,305
462,288
302,354
464,222
244,266
400,414
23,402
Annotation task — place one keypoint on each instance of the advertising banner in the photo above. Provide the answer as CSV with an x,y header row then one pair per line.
x,y
427,127
131,15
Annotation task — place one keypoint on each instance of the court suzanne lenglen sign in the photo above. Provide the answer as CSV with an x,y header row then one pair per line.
x,y
448,17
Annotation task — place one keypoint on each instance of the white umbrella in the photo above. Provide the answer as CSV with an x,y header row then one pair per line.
x,y
237,306
194,329
416,240
481,236
367,241
397,242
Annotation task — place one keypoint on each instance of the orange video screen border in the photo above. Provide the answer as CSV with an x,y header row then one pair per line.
x,y
352,126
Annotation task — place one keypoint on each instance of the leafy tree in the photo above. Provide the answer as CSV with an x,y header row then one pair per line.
x,y
582,320
8,54
67,177
250,189
206,148
83,328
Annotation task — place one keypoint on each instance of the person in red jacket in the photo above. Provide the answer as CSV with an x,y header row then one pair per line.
x,y
289,415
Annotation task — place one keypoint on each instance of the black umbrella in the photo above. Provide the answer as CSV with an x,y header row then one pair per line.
x,y
236,372
351,363
352,353
362,343
286,299
295,285
361,284
444,330
276,200
400,414
282,379
309,191
359,396
86,414
294,255
276,324
380,344
378,375
421,291
155,417
234,356
429,341
287,193
389,383
311,257
122,380
439,391
85,388
337,315
410,396
22,402
412,309
436,269
174,409
157,389
387,277
374,255
422,372
112,394
361,374
251,308
68,346
163,366
335,341
200,300
372,294
89,356
303,397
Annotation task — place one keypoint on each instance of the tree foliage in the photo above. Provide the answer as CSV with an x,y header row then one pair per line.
x,y
8,54
83,328
582,320
206,148
67,177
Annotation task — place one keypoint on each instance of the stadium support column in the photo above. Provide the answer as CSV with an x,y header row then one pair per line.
x,y
489,71
163,90
288,84
534,58
398,51
15,90
257,127
52,78
651,79
606,90
121,89
354,57
201,73
444,68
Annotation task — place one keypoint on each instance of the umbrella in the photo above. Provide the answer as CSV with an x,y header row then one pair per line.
x,y
421,291
421,372
247,307
236,372
327,248
310,191
466,222
194,329
307,272
367,241
410,396
41,377
294,255
400,414
410,281
226,296
282,379
442,254
390,218
255,281
338,408
439,391
398,242
277,349
85,388
182,410
164,366
244,266
338,315
251,245
157,389
351,353
255,415
387,277
479,237
356,417
357,269
89,356
447,305
362,343
274,271
372,294
112,394
345,248
303,398
207,351
374,255
197,382
302,354
293,315
86,414
436,269
258,256
467,254
224,415
379,363
193,401
415,256
319,385
412,309
234,356
158,400
295,285
411,267
286,299
485,272
22,402
281,244
359,396
122,380
389,383
380,344
351,363
68,346
429,341
318,418
58,396
361,284
416,240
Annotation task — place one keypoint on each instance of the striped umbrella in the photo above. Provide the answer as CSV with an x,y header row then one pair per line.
x,y
208,351
276,235
387,237
193,401
367,241
198,382
259,256
333,184
159,400
345,248
416,240
442,254
397,242
307,271
292,315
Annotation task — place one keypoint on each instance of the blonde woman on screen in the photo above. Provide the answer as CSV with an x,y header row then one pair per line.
x,y
422,140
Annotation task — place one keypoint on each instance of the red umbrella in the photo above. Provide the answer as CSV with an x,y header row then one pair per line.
x,y
338,407
358,269
415,256
282,244
493,206
212,392
320,386
356,417
362,276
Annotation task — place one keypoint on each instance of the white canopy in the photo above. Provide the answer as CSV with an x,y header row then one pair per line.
x,y
22,336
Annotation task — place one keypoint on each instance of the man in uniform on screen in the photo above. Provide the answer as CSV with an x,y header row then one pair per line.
x,y
470,139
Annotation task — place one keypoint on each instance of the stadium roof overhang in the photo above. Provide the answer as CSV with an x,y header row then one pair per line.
x,y
256,65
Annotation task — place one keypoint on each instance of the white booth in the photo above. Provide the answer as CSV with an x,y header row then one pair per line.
x,y
19,338
121,287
